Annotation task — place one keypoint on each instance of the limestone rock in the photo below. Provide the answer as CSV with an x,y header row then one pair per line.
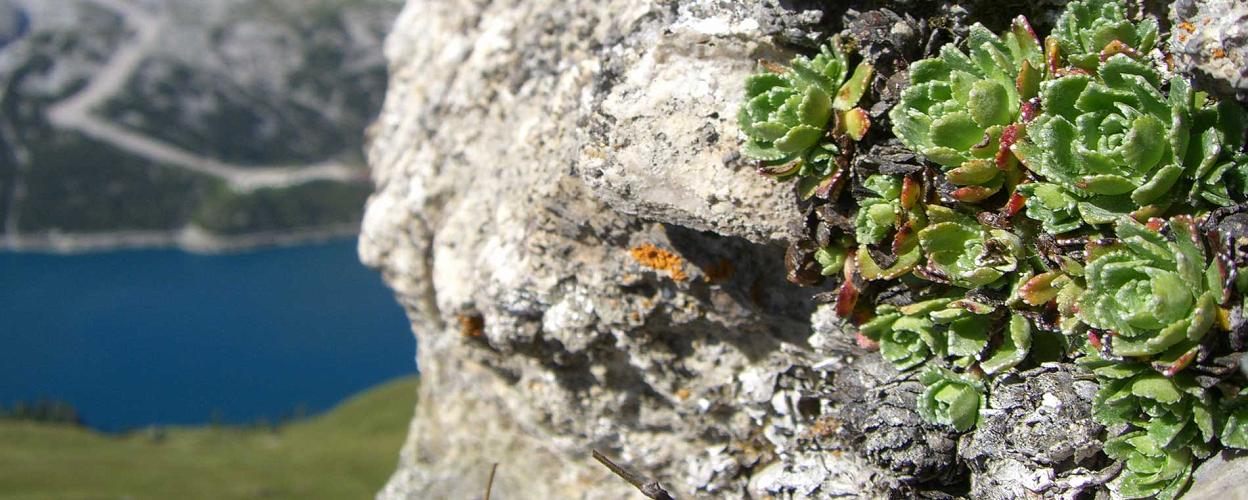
x,y
513,255
1209,39
1038,437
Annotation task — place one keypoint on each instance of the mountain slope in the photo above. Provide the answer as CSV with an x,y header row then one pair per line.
x,y
179,122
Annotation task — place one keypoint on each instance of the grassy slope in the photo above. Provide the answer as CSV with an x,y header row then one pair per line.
x,y
346,453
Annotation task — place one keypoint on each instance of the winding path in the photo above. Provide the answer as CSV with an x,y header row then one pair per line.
x,y
74,113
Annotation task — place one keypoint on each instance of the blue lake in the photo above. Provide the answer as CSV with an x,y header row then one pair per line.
x,y
136,338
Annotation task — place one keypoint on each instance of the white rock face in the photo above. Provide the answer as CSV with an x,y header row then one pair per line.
x,y
525,148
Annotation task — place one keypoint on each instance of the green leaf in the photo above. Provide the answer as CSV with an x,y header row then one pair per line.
x,y
911,127
950,399
1145,143
927,70
816,108
1058,96
1232,122
753,149
1106,184
831,260
973,172
963,408
1235,432
853,89
968,336
956,131
1028,81
1156,387
808,186
875,221
798,139
857,123
1158,186
1113,70
989,104
770,131
1013,350
762,82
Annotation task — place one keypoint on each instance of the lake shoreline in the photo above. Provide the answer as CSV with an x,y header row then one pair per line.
x,y
190,239
145,337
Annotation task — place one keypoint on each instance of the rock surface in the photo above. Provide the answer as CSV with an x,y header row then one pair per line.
x,y
588,264
1210,40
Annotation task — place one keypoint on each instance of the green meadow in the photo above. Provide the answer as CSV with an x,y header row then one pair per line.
x,y
347,452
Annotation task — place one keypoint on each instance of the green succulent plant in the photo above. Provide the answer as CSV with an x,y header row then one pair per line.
x,y
1235,431
1089,31
907,334
787,114
878,217
1063,287
1174,410
1150,471
951,399
1062,226
1055,208
959,106
1152,292
1015,346
895,211
1114,145
965,253
910,335
832,258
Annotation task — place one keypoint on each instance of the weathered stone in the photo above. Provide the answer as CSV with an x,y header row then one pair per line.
x,y
1037,437
1209,39
1221,477
489,210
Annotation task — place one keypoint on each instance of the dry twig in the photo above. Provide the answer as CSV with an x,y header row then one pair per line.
x,y
489,483
651,489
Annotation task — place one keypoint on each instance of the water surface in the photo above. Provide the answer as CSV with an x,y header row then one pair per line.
x,y
135,338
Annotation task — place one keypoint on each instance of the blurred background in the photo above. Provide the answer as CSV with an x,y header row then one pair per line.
x,y
182,311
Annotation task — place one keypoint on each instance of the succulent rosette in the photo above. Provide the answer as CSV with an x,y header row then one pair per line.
x,y
1089,31
959,106
907,334
878,216
1054,207
831,259
911,334
886,226
962,252
1153,292
951,399
1150,471
1174,410
1116,145
788,112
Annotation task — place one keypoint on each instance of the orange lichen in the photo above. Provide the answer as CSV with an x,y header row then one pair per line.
x,y
683,394
825,427
1218,53
1188,27
718,272
471,326
657,258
